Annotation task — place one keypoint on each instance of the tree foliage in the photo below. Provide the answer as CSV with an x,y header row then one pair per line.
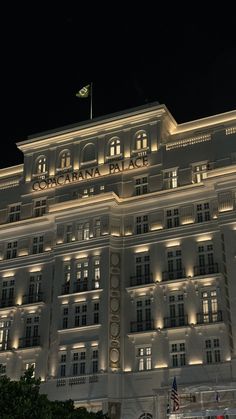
x,y
22,400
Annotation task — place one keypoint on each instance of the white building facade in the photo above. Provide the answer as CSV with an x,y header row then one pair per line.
x,y
118,263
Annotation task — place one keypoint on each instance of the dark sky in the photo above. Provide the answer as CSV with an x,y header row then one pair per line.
x,y
185,59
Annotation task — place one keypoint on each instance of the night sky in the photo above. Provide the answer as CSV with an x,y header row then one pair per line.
x,y
185,59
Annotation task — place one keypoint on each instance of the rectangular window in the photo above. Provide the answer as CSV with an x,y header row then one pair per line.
x,y
170,178
82,275
199,172
212,350
142,267
7,297
65,313
141,185
14,213
144,358
68,233
37,245
94,361
80,315
177,316
142,224
174,265
203,212
172,218
62,370
97,274
96,313
11,251
40,207
34,292
97,227
143,315
178,354
4,335
206,263
209,306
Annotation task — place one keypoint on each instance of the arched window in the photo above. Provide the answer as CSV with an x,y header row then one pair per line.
x,y
41,164
145,416
88,153
65,159
141,140
114,147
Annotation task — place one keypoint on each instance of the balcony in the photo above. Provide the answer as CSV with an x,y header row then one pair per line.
x,y
8,302
65,289
176,274
206,269
206,318
177,321
141,279
143,326
80,286
29,342
32,298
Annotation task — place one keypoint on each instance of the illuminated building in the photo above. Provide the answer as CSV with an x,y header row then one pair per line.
x,y
118,254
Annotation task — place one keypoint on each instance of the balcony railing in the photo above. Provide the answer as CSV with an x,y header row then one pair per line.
x,y
8,302
80,286
142,326
141,279
210,317
32,298
29,342
177,321
65,289
176,274
206,269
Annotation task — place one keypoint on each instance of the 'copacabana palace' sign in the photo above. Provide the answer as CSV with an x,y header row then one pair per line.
x,y
90,173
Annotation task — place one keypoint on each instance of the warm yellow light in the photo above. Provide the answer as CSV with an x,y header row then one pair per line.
x,y
189,272
192,318
59,241
189,221
127,369
23,252
35,269
62,348
101,160
78,346
161,366
48,248
141,249
173,243
195,362
19,301
81,256
65,302
8,274
156,226
204,238
81,300
95,343
127,154
154,147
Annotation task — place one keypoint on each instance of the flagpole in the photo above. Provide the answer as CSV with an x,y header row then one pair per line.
x,y
91,101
